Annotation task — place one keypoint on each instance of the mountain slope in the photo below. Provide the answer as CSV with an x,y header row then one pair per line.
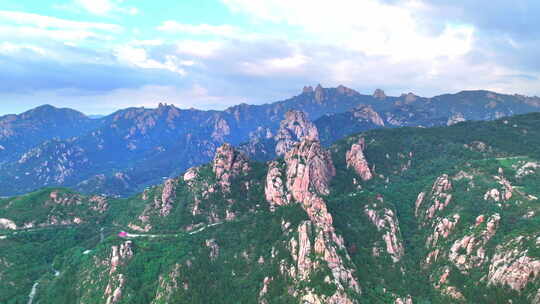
x,y
124,152
445,215
18,133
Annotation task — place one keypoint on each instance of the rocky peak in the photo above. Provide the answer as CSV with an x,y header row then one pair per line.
x,y
455,118
307,90
409,97
274,190
355,158
309,170
295,127
366,112
386,221
309,167
379,94
167,197
439,198
119,256
221,129
512,266
229,163
346,91
319,94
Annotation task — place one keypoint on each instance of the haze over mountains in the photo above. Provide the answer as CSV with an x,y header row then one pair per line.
x,y
126,151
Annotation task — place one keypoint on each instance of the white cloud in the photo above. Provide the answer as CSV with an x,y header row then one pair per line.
x,y
200,29
15,26
138,57
46,22
105,7
368,26
269,67
200,49
11,48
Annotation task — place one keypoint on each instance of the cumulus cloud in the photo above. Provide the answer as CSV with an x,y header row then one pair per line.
x,y
425,46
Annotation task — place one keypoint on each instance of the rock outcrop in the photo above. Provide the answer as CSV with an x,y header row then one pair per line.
x,y
439,198
319,94
386,221
511,266
455,118
191,174
214,248
469,251
367,113
343,90
275,189
7,224
442,229
294,128
309,170
307,90
379,94
504,193
229,163
119,256
165,203
356,159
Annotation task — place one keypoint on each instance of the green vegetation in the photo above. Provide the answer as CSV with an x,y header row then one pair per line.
x,y
223,252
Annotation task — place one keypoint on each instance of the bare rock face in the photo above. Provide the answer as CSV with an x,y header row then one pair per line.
x,y
367,113
191,174
319,94
310,255
221,130
504,193
309,168
442,230
455,118
264,290
229,163
527,169
511,266
469,251
385,220
214,248
275,191
307,90
7,224
119,256
99,203
168,285
343,90
295,127
439,198
409,97
404,300
379,94
164,203
355,158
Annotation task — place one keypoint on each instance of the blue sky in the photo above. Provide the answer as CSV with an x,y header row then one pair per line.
x,y
101,55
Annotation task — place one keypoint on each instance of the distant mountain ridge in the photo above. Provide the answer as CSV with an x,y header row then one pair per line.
x,y
132,148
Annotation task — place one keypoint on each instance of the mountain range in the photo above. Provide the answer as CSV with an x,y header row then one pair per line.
x,y
444,214
131,149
